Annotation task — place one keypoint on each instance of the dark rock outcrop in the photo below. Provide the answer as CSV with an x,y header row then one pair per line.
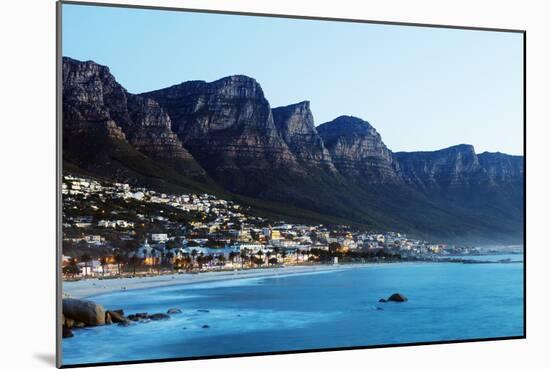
x,y
94,102
228,127
397,297
115,316
174,311
459,167
66,332
159,316
502,168
456,166
296,127
85,311
358,152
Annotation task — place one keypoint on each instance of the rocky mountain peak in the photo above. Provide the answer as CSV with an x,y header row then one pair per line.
x,y
296,126
357,150
228,127
94,101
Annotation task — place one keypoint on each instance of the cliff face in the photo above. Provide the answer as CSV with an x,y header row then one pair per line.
x,y
451,167
93,101
358,152
228,127
459,167
502,168
296,126
88,89
339,170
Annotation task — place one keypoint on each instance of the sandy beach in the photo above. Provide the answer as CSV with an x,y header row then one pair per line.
x,y
90,287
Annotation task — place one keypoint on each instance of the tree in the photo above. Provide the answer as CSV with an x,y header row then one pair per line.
x,y
244,252
72,268
260,254
119,259
304,253
145,253
334,247
232,256
277,250
103,262
155,255
194,255
134,260
268,255
170,258
221,260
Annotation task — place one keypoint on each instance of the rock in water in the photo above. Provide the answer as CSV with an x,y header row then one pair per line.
x,y
115,316
174,311
87,312
159,316
382,300
67,333
397,297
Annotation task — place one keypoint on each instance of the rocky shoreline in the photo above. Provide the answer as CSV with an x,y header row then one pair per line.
x,y
78,313
84,313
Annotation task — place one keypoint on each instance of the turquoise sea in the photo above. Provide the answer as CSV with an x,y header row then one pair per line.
x,y
320,310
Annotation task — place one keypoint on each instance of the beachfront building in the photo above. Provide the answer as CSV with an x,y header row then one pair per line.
x,y
159,237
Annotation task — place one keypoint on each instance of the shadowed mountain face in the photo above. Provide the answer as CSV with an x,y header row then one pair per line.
x,y
296,127
340,171
358,152
94,103
228,127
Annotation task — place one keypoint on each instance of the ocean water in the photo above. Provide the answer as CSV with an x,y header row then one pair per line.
x,y
447,301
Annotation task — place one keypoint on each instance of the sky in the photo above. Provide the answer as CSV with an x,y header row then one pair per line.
x,y
422,88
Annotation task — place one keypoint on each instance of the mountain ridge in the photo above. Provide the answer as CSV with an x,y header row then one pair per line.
x,y
227,134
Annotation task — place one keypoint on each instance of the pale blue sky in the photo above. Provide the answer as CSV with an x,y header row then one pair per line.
x,y
421,88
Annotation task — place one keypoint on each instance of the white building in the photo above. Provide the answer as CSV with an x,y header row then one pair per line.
x,y
159,237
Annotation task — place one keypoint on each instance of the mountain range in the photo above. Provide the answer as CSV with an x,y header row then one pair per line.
x,y
224,137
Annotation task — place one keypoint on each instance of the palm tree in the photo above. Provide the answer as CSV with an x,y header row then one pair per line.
x,y
243,257
284,254
119,259
154,254
187,260
170,259
232,256
200,260
145,253
86,259
268,256
221,260
103,262
71,269
260,254
134,260
304,253
194,255
277,250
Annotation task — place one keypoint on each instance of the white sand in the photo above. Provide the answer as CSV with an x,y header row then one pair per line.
x,y
90,287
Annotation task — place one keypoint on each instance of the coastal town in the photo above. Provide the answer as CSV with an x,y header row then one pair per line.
x,y
112,229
